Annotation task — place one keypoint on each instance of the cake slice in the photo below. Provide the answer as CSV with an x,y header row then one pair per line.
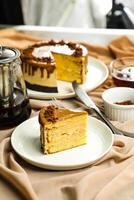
x,y
71,62
62,129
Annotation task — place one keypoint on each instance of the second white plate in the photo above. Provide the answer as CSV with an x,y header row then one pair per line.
x,y
97,74
26,143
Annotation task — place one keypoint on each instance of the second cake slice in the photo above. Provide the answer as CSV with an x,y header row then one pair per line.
x,y
62,129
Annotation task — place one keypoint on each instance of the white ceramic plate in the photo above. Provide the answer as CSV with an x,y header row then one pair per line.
x,y
25,141
97,74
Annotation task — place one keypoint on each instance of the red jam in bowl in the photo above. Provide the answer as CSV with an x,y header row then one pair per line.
x,y
122,71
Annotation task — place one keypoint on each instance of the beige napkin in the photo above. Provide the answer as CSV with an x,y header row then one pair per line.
x,y
112,177
119,47
99,52
16,39
122,47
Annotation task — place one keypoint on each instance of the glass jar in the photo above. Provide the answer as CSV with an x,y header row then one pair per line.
x,y
14,101
122,71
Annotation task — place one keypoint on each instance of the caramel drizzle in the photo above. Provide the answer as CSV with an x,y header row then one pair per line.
x,y
31,69
26,68
42,72
34,69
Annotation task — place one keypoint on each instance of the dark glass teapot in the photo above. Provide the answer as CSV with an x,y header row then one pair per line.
x,y
14,102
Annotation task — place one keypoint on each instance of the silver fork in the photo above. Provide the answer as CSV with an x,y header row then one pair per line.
x,y
56,102
91,105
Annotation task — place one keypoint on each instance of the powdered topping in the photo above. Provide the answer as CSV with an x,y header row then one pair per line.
x,y
45,51
42,53
50,113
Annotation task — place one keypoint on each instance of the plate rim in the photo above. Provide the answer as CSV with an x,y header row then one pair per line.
x,y
41,95
61,167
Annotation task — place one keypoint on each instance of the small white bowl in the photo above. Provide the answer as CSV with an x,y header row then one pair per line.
x,y
115,111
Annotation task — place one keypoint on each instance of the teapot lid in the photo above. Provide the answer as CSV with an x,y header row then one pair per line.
x,y
8,54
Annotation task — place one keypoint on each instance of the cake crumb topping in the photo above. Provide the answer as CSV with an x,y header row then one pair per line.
x,y
50,113
78,52
43,59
